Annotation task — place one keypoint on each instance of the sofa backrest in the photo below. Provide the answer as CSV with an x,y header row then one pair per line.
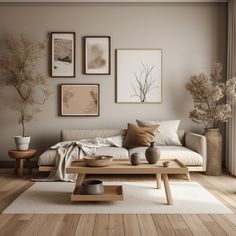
x,y
181,135
77,134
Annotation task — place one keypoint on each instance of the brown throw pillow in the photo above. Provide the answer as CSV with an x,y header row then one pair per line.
x,y
139,136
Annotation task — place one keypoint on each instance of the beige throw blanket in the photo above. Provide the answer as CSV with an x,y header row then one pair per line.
x,y
71,150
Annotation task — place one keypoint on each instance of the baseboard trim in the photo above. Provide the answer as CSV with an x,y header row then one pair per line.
x,y
11,164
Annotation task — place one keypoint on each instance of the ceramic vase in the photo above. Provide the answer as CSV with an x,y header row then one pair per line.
x,y
135,159
214,151
152,154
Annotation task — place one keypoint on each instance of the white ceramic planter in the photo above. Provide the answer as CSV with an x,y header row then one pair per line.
x,y
22,143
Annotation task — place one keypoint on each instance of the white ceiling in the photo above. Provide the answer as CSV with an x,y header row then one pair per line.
x,y
113,1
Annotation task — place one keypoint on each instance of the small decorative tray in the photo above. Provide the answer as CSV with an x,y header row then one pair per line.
x,y
98,161
111,193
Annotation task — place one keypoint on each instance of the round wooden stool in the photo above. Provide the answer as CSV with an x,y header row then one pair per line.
x,y
20,156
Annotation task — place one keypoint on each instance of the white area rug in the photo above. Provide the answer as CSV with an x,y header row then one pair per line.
x,y
142,197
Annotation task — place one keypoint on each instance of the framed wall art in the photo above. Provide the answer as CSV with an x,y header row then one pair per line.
x,y
139,76
63,54
80,99
97,55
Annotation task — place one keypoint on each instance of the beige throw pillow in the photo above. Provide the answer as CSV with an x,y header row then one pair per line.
x,y
166,133
139,136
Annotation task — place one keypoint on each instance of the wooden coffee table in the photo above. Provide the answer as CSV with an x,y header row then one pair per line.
x,y
120,166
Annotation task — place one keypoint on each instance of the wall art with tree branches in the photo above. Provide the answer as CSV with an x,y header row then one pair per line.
x,y
138,78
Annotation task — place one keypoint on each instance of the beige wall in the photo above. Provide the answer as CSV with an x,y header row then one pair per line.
x,y
192,37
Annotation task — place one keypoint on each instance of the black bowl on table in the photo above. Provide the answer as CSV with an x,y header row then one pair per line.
x,y
92,187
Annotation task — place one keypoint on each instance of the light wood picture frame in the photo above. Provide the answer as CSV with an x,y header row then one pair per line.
x,y
139,76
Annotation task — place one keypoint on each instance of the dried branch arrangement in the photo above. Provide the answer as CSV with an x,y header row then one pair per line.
x,y
144,83
213,98
18,71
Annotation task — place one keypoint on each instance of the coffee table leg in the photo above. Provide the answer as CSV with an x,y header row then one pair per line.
x,y
158,178
80,179
188,176
167,189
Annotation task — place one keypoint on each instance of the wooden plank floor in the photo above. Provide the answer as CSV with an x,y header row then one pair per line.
x,y
223,187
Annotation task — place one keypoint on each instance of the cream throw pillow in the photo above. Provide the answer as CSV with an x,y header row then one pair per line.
x,y
166,133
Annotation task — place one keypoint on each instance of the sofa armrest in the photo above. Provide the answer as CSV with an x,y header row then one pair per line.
x,y
197,143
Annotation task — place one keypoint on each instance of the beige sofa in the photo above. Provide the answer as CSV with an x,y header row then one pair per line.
x,y
192,152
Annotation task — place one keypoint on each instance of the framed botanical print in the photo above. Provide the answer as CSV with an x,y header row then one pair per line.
x,y
97,55
80,99
139,76
63,54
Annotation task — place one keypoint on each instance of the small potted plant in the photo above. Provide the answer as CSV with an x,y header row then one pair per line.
x,y
18,71
213,98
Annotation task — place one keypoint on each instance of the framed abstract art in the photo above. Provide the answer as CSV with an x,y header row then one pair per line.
x,y
80,99
97,55
62,54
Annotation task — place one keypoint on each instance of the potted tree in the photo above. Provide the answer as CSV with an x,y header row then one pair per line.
x,y
213,99
18,71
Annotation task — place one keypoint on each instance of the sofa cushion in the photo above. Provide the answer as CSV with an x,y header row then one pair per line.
x,y
166,133
183,154
48,158
113,151
139,136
